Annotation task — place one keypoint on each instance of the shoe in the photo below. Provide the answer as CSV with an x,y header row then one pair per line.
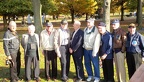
x,y
48,78
96,80
79,80
53,79
89,78
37,79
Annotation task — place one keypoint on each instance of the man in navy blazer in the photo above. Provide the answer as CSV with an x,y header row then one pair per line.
x,y
76,50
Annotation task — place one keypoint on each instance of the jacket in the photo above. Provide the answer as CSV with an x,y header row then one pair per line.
x,y
106,45
10,43
24,42
135,43
92,40
58,39
119,39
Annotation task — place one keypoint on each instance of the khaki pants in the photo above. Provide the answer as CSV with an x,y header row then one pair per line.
x,y
119,59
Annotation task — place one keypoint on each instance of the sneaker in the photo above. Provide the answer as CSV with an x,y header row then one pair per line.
x,y
89,78
96,80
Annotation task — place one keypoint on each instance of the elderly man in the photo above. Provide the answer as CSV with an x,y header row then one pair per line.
x,y
76,50
105,53
47,45
62,39
134,49
30,44
11,46
91,48
119,38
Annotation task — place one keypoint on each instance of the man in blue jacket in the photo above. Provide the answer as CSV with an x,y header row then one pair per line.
x,y
77,50
105,53
134,49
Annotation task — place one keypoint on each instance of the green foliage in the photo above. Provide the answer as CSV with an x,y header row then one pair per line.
x,y
15,7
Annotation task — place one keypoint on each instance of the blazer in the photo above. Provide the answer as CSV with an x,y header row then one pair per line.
x,y
24,42
76,44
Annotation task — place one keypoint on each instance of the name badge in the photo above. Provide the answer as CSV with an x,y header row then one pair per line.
x,y
33,46
134,43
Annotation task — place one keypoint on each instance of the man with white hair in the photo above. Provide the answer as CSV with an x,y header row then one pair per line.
x,y
91,47
76,49
11,47
30,43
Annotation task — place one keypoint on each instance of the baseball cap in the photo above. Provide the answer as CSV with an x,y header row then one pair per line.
x,y
102,24
132,25
49,24
115,21
64,21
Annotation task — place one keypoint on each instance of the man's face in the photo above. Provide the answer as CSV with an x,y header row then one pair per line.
x,y
132,30
64,26
90,24
115,25
12,27
101,29
31,30
49,28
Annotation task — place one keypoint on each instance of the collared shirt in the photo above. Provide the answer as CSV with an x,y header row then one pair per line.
x,y
47,40
65,37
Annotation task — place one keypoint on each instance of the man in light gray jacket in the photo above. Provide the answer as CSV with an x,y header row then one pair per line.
x,y
91,47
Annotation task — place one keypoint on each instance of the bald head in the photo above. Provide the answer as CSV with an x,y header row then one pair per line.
x,y
31,29
12,26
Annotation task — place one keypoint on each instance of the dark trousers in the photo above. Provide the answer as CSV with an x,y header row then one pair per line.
x,y
108,70
50,57
79,67
134,60
65,61
28,67
15,69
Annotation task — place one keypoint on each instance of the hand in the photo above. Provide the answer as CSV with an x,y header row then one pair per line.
x,y
59,55
104,56
9,57
70,50
143,59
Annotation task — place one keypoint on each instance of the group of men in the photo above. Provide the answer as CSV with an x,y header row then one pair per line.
x,y
92,42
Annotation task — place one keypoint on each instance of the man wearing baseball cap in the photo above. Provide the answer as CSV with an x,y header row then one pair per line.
x,y
134,49
61,42
47,45
91,47
119,38
105,53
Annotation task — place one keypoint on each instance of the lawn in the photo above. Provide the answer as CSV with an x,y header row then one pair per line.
x,y
4,69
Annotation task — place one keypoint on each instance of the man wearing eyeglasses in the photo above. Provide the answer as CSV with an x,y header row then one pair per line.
x,y
134,49
47,45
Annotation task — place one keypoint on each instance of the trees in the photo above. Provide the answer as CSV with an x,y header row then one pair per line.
x,y
10,8
76,7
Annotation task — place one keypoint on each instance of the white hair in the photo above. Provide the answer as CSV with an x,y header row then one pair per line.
x,y
31,27
77,22
12,23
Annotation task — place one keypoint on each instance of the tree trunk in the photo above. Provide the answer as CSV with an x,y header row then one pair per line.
x,y
72,15
5,22
122,11
139,13
106,16
37,15
86,16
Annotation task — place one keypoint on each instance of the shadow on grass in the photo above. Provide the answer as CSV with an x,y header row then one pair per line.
x,y
5,75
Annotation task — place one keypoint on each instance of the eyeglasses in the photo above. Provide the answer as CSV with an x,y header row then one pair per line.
x,y
131,27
